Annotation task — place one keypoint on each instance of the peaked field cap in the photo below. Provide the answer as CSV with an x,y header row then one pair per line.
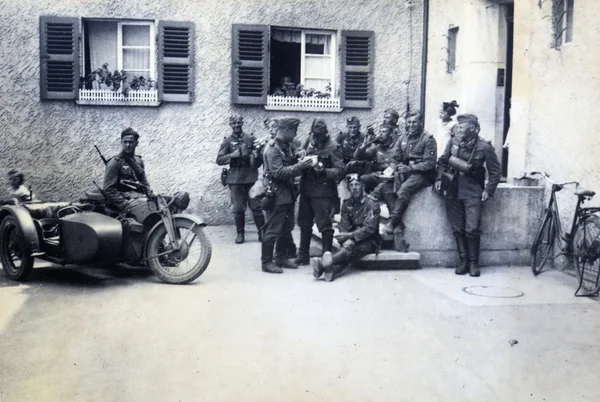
x,y
130,131
353,120
467,118
290,123
352,177
393,112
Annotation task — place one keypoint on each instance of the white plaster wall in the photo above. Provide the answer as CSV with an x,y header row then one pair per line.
x,y
556,95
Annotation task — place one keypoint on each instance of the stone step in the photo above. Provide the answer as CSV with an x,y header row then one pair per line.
x,y
387,257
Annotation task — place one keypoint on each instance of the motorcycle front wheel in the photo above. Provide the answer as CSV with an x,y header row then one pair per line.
x,y
183,265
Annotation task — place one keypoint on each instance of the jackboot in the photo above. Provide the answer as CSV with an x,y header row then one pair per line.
x,y
259,220
240,225
332,264
285,263
267,258
461,246
327,241
473,253
303,252
400,243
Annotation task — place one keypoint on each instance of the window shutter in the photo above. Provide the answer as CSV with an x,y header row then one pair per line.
x,y
250,64
59,57
176,61
357,59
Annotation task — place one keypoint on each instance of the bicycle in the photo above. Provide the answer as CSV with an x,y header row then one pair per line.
x,y
580,245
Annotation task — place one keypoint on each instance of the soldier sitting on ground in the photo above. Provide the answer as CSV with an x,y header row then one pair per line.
x,y
358,232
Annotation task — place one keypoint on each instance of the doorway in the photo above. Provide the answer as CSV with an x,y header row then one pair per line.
x,y
510,12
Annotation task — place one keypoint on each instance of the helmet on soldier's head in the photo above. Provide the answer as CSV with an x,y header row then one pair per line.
x,y
319,127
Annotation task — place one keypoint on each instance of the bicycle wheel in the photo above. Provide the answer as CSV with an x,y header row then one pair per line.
x,y
586,253
543,243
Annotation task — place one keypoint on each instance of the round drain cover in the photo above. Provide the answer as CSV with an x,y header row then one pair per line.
x,y
493,291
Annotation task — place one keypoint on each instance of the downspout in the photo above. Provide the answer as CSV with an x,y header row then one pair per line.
x,y
424,54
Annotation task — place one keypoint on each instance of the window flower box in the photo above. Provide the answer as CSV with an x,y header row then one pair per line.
x,y
117,98
308,104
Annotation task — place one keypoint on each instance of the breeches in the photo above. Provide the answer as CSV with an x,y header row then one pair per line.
x,y
315,210
465,216
240,199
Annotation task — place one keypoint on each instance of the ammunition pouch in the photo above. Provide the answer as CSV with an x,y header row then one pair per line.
x,y
224,174
460,165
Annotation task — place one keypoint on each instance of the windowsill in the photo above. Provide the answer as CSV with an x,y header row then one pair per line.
x,y
107,97
285,103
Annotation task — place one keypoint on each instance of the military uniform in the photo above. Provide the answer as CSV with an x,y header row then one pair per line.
x,y
280,169
418,152
377,158
318,192
464,203
243,173
348,145
122,167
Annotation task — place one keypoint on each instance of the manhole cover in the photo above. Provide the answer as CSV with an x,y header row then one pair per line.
x,y
493,291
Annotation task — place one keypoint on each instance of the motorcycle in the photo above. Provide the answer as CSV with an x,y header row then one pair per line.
x,y
150,231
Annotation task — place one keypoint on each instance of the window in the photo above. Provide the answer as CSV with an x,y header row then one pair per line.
x,y
562,18
146,74
295,68
451,50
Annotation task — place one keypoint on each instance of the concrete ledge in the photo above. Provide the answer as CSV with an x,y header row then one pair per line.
x,y
510,220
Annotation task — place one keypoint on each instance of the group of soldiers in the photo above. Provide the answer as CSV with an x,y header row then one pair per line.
x,y
387,166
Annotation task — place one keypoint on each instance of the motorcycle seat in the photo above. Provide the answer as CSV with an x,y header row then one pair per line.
x,y
44,210
94,195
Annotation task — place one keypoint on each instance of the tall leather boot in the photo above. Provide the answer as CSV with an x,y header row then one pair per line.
x,y
327,241
259,220
303,252
473,253
240,225
395,221
332,263
461,246
267,257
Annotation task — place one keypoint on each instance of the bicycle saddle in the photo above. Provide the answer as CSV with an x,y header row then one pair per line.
x,y
585,193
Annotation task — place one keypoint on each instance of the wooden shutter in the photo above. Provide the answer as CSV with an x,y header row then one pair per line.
x,y
59,57
250,64
176,61
357,59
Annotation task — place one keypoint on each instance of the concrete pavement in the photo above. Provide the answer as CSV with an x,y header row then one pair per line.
x,y
237,334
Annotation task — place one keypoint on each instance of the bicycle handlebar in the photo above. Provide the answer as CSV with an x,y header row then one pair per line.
x,y
546,177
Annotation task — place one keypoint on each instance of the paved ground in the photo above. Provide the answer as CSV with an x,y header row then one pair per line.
x,y
237,334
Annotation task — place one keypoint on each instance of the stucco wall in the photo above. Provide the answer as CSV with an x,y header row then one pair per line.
x,y
480,51
556,95
52,141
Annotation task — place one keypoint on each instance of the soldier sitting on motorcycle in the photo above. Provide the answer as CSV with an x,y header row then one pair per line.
x,y
122,168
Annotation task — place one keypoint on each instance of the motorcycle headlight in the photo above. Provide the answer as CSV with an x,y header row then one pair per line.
x,y
181,200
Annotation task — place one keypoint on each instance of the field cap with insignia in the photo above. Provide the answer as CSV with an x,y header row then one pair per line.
x,y
352,177
288,123
467,118
130,131
353,121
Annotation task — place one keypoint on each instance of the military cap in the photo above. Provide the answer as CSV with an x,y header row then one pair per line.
x,y
130,131
352,177
319,126
289,123
393,112
353,120
467,118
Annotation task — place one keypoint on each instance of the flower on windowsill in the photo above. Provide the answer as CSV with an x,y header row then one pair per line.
x,y
102,76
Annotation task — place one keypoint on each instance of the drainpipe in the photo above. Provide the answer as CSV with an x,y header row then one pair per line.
x,y
424,54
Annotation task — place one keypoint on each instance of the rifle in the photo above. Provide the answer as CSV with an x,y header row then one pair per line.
x,y
101,156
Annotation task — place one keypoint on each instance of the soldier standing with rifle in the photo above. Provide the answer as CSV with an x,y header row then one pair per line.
x,y
237,152
318,189
463,158
280,169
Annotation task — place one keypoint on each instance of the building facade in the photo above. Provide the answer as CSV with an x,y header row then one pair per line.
x,y
206,61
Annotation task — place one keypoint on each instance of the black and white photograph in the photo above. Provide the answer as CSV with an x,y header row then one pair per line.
x,y
300,200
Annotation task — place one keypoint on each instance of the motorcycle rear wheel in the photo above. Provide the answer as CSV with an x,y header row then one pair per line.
x,y
168,268
16,261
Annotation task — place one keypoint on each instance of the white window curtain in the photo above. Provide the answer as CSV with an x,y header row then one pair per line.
x,y
136,56
102,40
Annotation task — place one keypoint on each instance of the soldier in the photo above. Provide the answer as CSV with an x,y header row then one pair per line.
x,y
259,147
237,152
464,156
18,190
351,139
125,166
377,152
358,232
414,160
318,189
280,168
391,117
